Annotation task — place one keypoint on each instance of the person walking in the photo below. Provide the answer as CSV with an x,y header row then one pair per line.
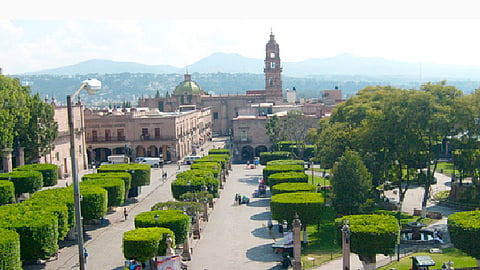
x,y
270,224
85,254
125,213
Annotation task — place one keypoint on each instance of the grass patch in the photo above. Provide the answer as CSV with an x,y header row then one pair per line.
x,y
459,259
321,245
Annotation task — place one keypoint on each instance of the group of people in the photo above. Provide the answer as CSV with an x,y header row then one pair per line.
x,y
239,199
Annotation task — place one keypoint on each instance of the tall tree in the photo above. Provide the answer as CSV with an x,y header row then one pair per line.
x,y
352,184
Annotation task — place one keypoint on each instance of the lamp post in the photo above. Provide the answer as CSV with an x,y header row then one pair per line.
x,y
156,219
92,86
346,245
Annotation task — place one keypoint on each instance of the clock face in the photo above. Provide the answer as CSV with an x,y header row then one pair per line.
x,y
272,55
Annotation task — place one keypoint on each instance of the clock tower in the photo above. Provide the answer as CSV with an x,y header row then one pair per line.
x,y
273,72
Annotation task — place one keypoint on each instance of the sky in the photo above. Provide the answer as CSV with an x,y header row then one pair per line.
x,y
38,35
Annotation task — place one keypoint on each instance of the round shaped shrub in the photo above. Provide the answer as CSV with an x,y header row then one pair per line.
x,y
10,250
125,176
94,201
307,205
140,172
287,177
59,196
7,192
24,181
143,244
174,220
49,172
293,187
286,162
464,230
371,234
194,181
115,188
38,230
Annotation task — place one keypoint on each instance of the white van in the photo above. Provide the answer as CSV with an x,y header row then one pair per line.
x,y
154,162
119,159
189,159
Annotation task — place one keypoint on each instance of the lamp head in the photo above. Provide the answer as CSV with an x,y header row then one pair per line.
x,y
92,86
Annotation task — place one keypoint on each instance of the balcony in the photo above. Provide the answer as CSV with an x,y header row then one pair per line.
x,y
106,139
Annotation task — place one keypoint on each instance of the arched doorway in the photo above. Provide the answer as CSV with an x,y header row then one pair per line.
x,y
259,149
247,153
101,154
152,151
140,151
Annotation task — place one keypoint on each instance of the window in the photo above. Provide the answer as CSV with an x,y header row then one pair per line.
x,y
108,136
272,64
145,135
94,135
243,135
120,135
272,55
215,115
157,133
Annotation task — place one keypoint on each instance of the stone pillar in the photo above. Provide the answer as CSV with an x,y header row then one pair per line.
x,y
170,251
186,254
346,245
205,210
21,156
297,245
7,160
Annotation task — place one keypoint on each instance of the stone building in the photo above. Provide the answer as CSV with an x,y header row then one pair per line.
x,y
144,132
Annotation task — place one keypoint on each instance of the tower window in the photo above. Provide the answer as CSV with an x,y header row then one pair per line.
x,y
272,64
215,115
272,55
271,81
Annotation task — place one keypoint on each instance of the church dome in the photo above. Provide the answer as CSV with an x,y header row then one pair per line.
x,y
188,87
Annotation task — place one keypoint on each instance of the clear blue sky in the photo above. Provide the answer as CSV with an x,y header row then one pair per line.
x,y
36,35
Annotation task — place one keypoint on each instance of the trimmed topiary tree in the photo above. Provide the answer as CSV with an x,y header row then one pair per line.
x,y
219,152
214,167
60,211
143,244
24,181
140,172
190,207
221,159
10,250
49,172
38,230
307,205
125,176
464,230
94,201
115,189
7,192
195,181
292,187
287,177
269,170
174,220
370,235
269,156
286,162
59,196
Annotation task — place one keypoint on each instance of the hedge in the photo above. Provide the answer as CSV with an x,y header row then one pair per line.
x,y
292,187
219,152
215,167
49,172
287,177
7,192
222,159
143,244
10,250
371,234
271,169
190,207
94,201
464,230
140,172
59,196
174,220
38,230
269,156
286,162
194,181
24,181
307,205
60,211
115,189
125,176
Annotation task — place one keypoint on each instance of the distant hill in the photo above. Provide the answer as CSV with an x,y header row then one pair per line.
x,y
345,65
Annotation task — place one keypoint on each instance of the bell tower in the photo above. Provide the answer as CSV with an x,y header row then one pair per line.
x,y
273,72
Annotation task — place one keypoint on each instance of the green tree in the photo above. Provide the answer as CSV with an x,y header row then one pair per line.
x,y
352,184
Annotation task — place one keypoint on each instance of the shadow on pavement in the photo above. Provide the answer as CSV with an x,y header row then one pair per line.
x,y
261,216
263,253
260,203
262,233
251,180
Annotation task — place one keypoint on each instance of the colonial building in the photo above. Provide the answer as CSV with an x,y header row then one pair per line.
x,y
143,132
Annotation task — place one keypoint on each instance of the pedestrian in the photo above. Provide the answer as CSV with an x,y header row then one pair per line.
x,y
270,224
236,198
125,214
239,199
85,254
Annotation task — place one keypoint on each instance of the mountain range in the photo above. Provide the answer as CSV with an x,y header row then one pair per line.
x,y
344,65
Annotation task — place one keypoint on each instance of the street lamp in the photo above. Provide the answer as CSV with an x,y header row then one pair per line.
x,y
156,218
91,86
